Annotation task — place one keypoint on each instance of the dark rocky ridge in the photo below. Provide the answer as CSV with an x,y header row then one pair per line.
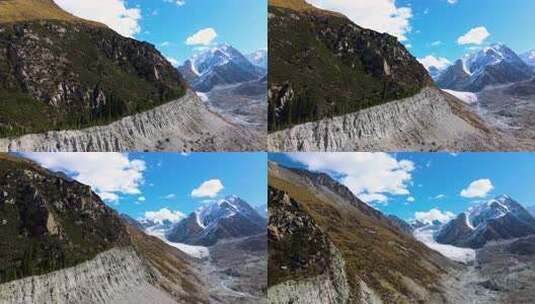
x,y
69,74
322,65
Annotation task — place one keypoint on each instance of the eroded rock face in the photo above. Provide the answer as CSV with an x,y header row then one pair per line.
x,y
182,125
114,276
428,121
313,274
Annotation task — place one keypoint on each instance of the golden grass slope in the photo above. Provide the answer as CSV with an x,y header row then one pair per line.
x,y
301,6
32,10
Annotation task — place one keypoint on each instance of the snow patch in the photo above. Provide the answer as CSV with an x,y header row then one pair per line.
x,y
198,252
202,96
467,97
463,255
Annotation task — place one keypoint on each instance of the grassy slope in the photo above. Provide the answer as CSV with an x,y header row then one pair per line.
x,y
371,249
27,10
325,83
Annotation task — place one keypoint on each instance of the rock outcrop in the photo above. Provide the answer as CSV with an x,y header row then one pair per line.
x,y
428,121
318,270
182,125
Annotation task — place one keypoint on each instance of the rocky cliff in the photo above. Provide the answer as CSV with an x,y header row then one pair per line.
x,y
59,243
352,253
182,125
428,121
322,65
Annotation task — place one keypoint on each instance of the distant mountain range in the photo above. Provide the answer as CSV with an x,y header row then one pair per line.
x,y
493,65
498,219
501,218
222,65
226,218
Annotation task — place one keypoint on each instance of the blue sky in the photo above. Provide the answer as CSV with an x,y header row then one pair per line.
x,y
433,180
137,183
169,23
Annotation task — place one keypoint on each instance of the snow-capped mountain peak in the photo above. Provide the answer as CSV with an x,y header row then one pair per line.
x,y
218,219
494,54
223,208
498,218
491,210
492,65
221,65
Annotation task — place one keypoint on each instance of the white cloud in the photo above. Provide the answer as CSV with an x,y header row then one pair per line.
x,y
170,196
379,15
439,196
208,188
432,61
452,1
436,43
108,174
474,36
370,176
202,37
177,2
478,188
411,199
141,199
173,61
165,43
434,215
113,13
164,215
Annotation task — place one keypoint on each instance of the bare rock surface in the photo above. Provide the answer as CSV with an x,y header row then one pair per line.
x,y
183,125
118,275
428,121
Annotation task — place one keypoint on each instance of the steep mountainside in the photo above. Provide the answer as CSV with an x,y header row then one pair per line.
x,y
497,219
59,243
352,253
493,65
64,73
227,218
222,65
322,65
